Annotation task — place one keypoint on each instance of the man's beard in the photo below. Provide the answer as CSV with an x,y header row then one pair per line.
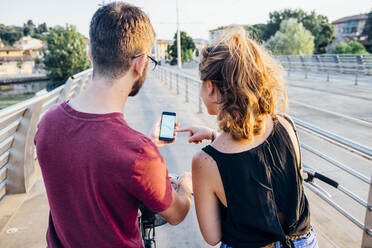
x,y
139,83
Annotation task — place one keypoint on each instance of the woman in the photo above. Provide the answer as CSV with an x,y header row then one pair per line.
x,y
247,183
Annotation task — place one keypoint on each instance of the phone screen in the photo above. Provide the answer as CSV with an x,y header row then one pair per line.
x,y
168,121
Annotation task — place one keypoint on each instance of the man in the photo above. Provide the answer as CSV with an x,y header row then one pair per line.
x,y
96,169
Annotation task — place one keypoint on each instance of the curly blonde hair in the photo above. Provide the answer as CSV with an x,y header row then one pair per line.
x,y
250,82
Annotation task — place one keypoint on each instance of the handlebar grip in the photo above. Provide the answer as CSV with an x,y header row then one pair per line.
x,y
327,180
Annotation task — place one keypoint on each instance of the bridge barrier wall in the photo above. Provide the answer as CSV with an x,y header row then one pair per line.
x,y
18,124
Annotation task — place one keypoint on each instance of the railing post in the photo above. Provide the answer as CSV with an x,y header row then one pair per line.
x,y
177,86
170,80
318,60
367,238
186,90
21,170
289,66
337,61
169,74
327,75
304,65
200,105
66,89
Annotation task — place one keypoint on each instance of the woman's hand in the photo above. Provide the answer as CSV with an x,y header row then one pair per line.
x,y
197,133
155,133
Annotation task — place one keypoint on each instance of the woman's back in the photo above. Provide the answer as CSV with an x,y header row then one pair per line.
x,y
258,184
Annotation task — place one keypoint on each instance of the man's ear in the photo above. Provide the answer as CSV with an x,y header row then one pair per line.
x,y
139,65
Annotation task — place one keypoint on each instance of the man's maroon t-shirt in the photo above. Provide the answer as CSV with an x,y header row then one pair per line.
x,y
96,171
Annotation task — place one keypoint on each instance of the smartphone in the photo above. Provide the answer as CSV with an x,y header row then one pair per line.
x,y
167,125
172,175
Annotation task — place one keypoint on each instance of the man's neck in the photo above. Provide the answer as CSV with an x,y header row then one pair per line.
x,y
102,97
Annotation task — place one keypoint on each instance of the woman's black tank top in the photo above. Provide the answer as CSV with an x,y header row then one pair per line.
x,y
259,183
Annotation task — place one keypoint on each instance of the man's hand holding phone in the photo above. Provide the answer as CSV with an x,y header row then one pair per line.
x,y
159,125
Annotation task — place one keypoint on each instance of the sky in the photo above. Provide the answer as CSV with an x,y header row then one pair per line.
x,y
196,16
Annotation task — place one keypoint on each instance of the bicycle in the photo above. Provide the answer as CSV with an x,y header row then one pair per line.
x,y
148,220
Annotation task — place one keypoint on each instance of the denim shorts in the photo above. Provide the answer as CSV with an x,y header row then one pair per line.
x,y
309,241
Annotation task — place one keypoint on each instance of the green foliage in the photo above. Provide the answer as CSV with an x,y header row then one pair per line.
x,y
66,54
352,47
187,48
318,25
197,53
19,64
37,61
292,38
257,31
10,34
368,27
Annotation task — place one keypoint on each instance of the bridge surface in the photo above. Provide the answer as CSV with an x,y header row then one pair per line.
x,y
26,227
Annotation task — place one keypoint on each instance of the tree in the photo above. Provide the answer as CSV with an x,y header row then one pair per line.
x,y
318,25
292,38
257,31
10,34
352,47
368,27
187,48
29,28
41,28
65,56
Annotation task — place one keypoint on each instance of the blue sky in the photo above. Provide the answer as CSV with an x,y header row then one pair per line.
x,y
196,16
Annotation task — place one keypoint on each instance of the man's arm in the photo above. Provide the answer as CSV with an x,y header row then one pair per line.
x,y
151,185
181,201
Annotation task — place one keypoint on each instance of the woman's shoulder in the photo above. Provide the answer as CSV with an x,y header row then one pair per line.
x,y
203,163
202,158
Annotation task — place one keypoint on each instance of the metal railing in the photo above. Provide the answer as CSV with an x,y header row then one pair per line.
x,y
355,64
183,81
18,125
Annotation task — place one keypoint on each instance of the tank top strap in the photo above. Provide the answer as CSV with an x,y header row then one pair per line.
x,y
212,152
290,121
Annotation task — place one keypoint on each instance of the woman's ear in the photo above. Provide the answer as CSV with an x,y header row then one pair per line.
x,y
212,91
210,87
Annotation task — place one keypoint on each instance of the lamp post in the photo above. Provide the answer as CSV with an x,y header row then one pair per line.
x,y
179,62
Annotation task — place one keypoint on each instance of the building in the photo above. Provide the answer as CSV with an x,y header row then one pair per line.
x,y
159,49
14,61
30,46
19,58
27,42
221,32
199,45
350,26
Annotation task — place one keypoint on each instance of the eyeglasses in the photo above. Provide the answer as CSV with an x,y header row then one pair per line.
x,y
154,62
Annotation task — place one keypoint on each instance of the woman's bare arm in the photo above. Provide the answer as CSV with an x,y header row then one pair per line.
x,y
206,202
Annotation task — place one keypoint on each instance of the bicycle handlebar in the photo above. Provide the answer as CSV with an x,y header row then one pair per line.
x,y
313,174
